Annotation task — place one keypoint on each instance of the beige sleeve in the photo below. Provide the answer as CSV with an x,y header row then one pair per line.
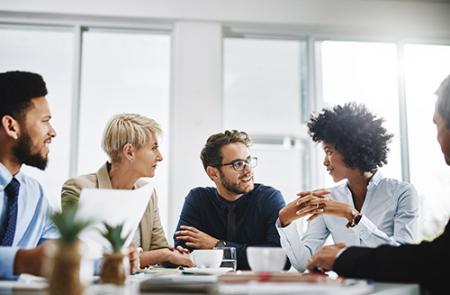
x,y
158,236
70,194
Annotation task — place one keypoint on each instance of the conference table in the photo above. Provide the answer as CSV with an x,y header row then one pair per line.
x,y
32,285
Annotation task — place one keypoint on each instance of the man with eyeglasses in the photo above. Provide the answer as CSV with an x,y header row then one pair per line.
x,y
237,212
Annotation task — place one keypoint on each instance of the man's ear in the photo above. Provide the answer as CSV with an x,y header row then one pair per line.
x,y
212,172
128,151
10,126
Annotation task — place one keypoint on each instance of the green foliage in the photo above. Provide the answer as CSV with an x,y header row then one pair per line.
x,y
69,228
113,235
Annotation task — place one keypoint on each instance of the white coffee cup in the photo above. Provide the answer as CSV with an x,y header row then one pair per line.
x,y
207,258
266,259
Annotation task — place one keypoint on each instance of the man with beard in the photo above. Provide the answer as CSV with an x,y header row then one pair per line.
x,y
236,213
425,263
25,134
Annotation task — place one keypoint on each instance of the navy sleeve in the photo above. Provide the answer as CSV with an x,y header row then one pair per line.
x,y
189,215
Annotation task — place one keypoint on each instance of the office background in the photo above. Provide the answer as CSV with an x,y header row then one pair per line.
x,y
199,67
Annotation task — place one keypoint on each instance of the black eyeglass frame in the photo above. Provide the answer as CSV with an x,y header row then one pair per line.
x,y
246,162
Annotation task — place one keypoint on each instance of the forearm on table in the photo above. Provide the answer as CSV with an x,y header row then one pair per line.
x,y
28,261
154,256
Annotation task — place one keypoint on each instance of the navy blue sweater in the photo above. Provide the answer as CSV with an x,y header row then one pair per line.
x,y
256,213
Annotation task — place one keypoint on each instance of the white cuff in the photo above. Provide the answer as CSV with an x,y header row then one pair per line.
x,y
364,228
7,257
340,252
287,231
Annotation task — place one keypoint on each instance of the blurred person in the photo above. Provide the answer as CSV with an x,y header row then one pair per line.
x,y
130,141
425,263
367,209
25,136
236,212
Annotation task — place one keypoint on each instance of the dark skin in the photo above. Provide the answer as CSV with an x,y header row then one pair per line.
x,y
324,259
316,202
30,260
36,123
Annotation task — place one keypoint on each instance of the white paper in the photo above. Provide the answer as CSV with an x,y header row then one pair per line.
x,y
114,207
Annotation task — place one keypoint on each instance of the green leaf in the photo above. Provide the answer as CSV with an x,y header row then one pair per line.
x,y
113,235
68,226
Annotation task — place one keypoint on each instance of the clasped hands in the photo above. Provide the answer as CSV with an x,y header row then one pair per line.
x,y
314,203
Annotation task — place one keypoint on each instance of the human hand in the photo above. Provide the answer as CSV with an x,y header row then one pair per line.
x,y
177,257
324,259
290,212
194,238
133,257
180,249
30,260
317,205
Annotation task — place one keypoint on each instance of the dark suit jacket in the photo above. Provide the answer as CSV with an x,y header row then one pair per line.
x,y
427,263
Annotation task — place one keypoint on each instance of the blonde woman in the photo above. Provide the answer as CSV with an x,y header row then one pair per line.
x,y
130,141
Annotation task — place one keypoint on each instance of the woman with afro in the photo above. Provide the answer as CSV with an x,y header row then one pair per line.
x,y
365,210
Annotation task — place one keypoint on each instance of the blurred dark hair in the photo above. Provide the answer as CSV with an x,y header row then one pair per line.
x,y
17,88
211,153
354,132
443,101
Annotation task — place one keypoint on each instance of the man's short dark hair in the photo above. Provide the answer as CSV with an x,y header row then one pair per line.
x,y
354,132
211,153
17,88
443,101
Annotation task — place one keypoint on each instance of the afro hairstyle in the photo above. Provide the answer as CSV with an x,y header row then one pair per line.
x,y
354,132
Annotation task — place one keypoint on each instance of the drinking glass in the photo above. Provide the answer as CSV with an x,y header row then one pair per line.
x,y
229,257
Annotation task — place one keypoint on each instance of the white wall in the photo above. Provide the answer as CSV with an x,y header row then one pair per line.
x,y
405,18
196,106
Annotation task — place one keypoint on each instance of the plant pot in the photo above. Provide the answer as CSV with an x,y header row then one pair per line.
x,y
113,269
65,270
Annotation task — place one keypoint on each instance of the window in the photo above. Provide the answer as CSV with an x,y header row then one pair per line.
x,y
131,76
262,95
121,72
364,73
48,52
425,67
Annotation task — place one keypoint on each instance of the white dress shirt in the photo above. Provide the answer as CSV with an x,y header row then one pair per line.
x,y
389,216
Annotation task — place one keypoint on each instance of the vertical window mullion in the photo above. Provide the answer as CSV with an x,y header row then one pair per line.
x,y
76,86
404,142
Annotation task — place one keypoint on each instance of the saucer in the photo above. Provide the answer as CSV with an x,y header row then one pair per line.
x,y
206,271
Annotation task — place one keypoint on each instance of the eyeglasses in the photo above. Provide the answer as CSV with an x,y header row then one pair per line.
x,y
239,164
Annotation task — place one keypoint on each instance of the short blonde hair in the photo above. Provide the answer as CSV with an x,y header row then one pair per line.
x,y
128,128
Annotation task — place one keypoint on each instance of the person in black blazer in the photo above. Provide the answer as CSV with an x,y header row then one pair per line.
x,y
426,263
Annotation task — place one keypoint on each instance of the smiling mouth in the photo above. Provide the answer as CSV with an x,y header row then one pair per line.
x,y
247,179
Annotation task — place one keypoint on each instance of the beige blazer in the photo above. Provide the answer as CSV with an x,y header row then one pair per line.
x,y
152,233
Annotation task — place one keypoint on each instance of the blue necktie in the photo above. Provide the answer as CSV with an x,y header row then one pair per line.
x,y
8,230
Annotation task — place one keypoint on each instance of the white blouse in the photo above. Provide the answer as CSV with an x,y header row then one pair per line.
x,y
390,213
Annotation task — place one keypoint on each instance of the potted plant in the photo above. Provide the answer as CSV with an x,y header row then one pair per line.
x,y
113,269
65,266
